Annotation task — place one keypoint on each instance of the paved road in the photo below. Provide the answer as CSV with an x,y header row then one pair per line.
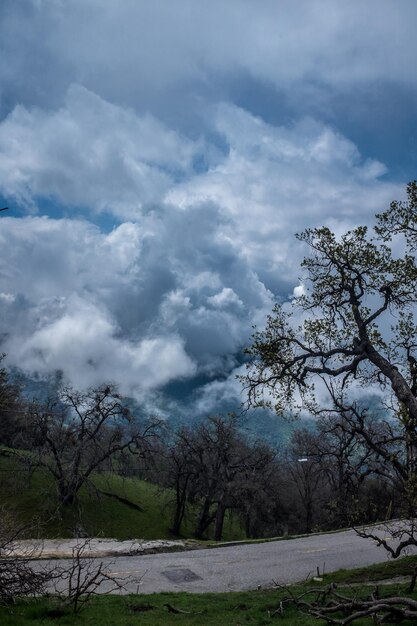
x,y
241,567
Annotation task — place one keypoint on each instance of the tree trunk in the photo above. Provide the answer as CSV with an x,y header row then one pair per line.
x,y
67,491
248,524
204,520
398,382
179,512
219,521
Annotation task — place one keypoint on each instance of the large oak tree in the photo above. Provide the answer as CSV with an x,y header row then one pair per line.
x,y
355,326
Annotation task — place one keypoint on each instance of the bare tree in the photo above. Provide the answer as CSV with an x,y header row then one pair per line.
x,y
257,493
79,432
349,482
213,462
305,474
86,577
179,473
18,578
216,470
11,409
346,464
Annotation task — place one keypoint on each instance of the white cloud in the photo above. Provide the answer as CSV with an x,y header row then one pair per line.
x,y
299,291
221,395
114,107
90,153
7,297
83,342
275,181
175,291
45,257
95,308
225,298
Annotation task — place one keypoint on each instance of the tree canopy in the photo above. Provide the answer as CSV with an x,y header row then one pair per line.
x,y
355,321
351,333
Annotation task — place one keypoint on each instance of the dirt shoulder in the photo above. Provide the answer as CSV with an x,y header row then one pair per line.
x,y
95,547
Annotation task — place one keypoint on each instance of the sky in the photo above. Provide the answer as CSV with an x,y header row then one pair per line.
x,y
157,159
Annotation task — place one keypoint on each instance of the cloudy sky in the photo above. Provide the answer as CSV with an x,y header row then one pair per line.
x,y
158,157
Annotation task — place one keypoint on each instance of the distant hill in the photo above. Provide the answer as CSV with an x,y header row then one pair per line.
x,y
175,408
174,403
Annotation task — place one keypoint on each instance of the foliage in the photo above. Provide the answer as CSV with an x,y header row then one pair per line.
x,y
355,326
352,283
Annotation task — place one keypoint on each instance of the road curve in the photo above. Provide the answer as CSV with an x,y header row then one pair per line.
x,y
248,566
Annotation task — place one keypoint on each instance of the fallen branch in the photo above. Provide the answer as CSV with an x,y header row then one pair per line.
x,y
339,609
172,609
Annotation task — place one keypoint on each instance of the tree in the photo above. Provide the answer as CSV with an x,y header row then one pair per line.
x,y
85,577
215,458
11,409
215,469
79,432
257,493
338,478
355,327
18,576
179,472
345,464
305,474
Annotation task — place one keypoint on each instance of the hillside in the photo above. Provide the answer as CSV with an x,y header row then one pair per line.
x,y
112,506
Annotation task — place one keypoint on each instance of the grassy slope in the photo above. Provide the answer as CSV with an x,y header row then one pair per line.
x,y
96,513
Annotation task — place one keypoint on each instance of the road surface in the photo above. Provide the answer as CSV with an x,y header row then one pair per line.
x,y
248,566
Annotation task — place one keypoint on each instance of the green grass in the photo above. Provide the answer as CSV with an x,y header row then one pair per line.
x,y
203,609
224,609
98,514
374,573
